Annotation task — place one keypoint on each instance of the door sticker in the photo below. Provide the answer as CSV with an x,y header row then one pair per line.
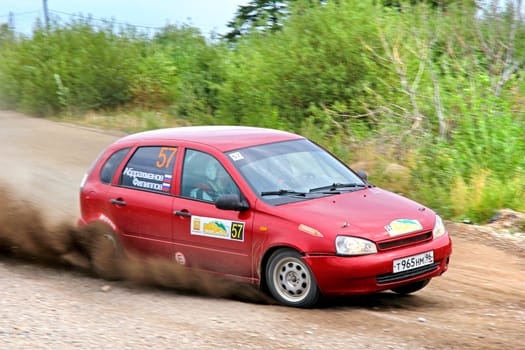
x,y
217,228
180,258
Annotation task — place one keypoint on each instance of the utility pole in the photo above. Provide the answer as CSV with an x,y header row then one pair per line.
x,y
11,21
46,14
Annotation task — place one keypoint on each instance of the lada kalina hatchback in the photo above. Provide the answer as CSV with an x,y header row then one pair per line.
x,y
263,206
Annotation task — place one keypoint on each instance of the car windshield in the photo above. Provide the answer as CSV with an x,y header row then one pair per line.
x,y
290,171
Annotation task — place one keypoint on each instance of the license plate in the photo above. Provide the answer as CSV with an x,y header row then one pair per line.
x,y
413,262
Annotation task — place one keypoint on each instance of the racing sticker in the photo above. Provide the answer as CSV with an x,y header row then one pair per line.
x,y
108,221
158,182
180,258
217,228
235,156
403,226
166,183
165,157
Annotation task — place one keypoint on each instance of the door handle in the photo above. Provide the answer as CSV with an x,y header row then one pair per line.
x,y
182,213
118,201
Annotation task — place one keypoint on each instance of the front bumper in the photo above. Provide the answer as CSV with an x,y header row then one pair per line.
x,y
365,274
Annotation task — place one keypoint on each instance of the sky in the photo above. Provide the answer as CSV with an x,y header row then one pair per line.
x,y
207,15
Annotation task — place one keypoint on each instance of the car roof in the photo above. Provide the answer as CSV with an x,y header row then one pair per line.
x,y
224,138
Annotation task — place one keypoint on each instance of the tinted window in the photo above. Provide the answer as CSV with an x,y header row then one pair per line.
x,y
203,177
111,165
299,168
150,169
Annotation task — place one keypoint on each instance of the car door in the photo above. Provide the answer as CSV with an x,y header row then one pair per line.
x,y
207,237
141,203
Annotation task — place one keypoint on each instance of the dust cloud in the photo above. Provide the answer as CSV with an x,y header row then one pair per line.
x,y
25,235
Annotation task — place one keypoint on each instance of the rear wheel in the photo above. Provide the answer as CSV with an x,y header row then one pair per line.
x,y
114,244
411,288
290,280
102,248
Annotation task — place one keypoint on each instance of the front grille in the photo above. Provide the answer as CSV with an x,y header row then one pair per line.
x,y
405,241
394,277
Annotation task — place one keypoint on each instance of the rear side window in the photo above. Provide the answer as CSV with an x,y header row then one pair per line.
x,y
110,166
150,169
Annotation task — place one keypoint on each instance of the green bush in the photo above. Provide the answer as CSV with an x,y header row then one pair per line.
x,y
316,60
200,67
428,98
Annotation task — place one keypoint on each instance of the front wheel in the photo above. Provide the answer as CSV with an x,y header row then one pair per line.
x,y
290,280
411,288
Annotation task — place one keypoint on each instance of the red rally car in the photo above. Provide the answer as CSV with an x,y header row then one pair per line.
x,y
264,206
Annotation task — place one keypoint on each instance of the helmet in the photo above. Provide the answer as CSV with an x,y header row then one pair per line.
x,y
211,170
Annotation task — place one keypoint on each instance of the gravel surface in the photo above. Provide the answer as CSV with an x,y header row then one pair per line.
x,y
478,304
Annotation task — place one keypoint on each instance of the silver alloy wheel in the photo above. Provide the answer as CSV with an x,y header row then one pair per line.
x,y
292,279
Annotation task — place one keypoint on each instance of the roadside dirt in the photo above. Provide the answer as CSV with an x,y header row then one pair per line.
x,y
478,304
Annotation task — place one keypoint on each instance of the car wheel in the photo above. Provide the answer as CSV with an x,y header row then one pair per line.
x,y
116,248
107,255
290,280
411,288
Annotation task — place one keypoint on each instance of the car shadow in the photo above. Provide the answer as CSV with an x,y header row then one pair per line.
x,y
383,301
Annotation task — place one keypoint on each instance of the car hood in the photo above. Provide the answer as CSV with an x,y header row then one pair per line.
x,y
369,213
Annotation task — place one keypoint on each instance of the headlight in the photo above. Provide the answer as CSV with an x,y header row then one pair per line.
x,y
439,229
346,245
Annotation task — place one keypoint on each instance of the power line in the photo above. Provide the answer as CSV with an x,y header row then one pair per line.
x,y
99,19
104,20
20,13
17,14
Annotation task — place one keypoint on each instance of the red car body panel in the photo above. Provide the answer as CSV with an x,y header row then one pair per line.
x,y
218,255
222,138
338,275
159,224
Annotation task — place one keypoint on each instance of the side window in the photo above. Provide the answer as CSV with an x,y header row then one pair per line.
x,y
110,166
150,169
204,178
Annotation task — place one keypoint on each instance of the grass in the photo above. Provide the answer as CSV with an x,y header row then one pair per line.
x,y
128,122
475,199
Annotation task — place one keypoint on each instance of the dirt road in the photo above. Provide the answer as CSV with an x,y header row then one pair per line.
x,y
478,304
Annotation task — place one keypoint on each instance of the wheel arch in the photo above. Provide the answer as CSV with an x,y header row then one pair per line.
x,y
264,263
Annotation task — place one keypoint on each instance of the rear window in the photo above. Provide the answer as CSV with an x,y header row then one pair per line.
x,y
150,169
110,166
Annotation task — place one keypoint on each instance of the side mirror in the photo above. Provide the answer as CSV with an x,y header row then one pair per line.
x,y
231,202
362,174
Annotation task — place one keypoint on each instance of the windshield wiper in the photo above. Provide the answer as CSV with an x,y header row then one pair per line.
x,y
336,186
282,192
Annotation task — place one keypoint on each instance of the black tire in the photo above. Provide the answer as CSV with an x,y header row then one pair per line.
x,y
117,250
411,288
106,253
290,281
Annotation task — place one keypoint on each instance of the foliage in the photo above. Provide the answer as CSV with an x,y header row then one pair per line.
x,y
79,67
314,61
94,67
257,15
427,96
200,68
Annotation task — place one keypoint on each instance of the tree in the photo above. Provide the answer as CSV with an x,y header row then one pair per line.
x,y
441,4
258,15
6,34
199,66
